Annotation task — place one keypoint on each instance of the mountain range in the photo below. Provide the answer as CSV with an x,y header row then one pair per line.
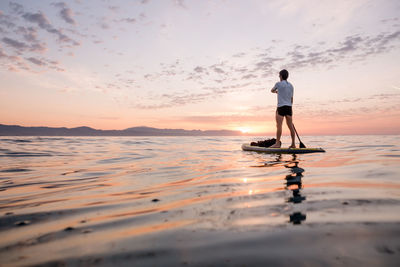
x,y
16,130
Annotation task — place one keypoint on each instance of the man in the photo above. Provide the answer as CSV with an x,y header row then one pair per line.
x,y
285,101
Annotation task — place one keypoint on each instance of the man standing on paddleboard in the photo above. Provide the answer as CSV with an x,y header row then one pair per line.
x,y
284,89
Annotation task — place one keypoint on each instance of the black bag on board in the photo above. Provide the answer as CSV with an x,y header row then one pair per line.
x,y
265,143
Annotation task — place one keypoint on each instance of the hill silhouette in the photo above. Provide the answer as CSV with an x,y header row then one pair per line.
x,y
16,130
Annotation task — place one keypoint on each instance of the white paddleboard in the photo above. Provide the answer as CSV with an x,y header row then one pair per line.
x,y
248,147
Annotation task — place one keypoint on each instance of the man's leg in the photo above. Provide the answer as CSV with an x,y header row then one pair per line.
x,y
279,120
289,122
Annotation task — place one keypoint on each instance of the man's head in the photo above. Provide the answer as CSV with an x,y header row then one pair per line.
x,y
284,74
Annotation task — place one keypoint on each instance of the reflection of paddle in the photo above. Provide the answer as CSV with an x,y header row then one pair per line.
x,y
301,143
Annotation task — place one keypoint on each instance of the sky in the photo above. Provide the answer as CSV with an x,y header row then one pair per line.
x,y
201,64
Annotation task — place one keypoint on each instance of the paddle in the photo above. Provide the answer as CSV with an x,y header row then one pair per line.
x,y
301,143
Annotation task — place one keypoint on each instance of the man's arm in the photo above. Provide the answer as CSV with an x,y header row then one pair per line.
x,y
274,89
292,95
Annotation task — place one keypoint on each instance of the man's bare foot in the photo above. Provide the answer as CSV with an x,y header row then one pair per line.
x,y
292,146
276,145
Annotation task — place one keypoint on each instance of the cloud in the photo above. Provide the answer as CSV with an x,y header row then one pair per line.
x,y
7,21
142,16
199,69
109,118
348,109
65,13
179,3
12,63
186,98
389,20
22,41
386,96
351,44
224,119
219,70
249,76
103,23
16,8
114,8
266,64
21,47
129,20
41,20
38,47
14,43
379,44
36,61
176,99
30,36
352,48
241,54
242,70
3,55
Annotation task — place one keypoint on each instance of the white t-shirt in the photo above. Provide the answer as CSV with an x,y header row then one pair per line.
x,y
285,93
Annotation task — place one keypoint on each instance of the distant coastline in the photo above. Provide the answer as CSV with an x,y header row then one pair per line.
x,y
16,130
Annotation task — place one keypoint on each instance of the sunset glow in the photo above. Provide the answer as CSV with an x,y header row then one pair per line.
x,y
245,130
204,65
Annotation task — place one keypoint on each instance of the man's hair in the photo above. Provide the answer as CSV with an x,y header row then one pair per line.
x,y
284,74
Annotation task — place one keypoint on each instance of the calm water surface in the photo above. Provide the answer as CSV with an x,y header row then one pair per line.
x,y
78,196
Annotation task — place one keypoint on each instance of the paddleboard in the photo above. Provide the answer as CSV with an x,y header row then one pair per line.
x,y
248,147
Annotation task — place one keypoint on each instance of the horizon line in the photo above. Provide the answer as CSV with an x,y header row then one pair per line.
x,y
239,133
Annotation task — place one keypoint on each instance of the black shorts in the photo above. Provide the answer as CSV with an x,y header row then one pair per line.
x,y
285,111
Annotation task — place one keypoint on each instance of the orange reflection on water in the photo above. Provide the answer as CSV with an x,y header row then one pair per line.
x,y
354,185
333,160
293,187
155,228
166,189
183,203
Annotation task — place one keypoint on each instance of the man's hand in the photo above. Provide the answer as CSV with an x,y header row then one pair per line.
x,y
273,90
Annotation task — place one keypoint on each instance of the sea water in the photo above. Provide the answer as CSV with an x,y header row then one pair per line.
x,y
64,198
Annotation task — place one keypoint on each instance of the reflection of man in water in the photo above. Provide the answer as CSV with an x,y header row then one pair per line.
x,y
295,179
293,183
284,89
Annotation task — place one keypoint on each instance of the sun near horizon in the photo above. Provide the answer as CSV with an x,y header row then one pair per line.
x,y
244,130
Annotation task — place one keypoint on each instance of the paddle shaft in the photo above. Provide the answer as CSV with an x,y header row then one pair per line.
x,y
301,143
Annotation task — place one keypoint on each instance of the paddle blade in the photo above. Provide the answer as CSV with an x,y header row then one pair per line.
x,y
302,145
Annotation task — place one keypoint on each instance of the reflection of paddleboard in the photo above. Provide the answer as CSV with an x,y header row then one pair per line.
x,y
248,147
